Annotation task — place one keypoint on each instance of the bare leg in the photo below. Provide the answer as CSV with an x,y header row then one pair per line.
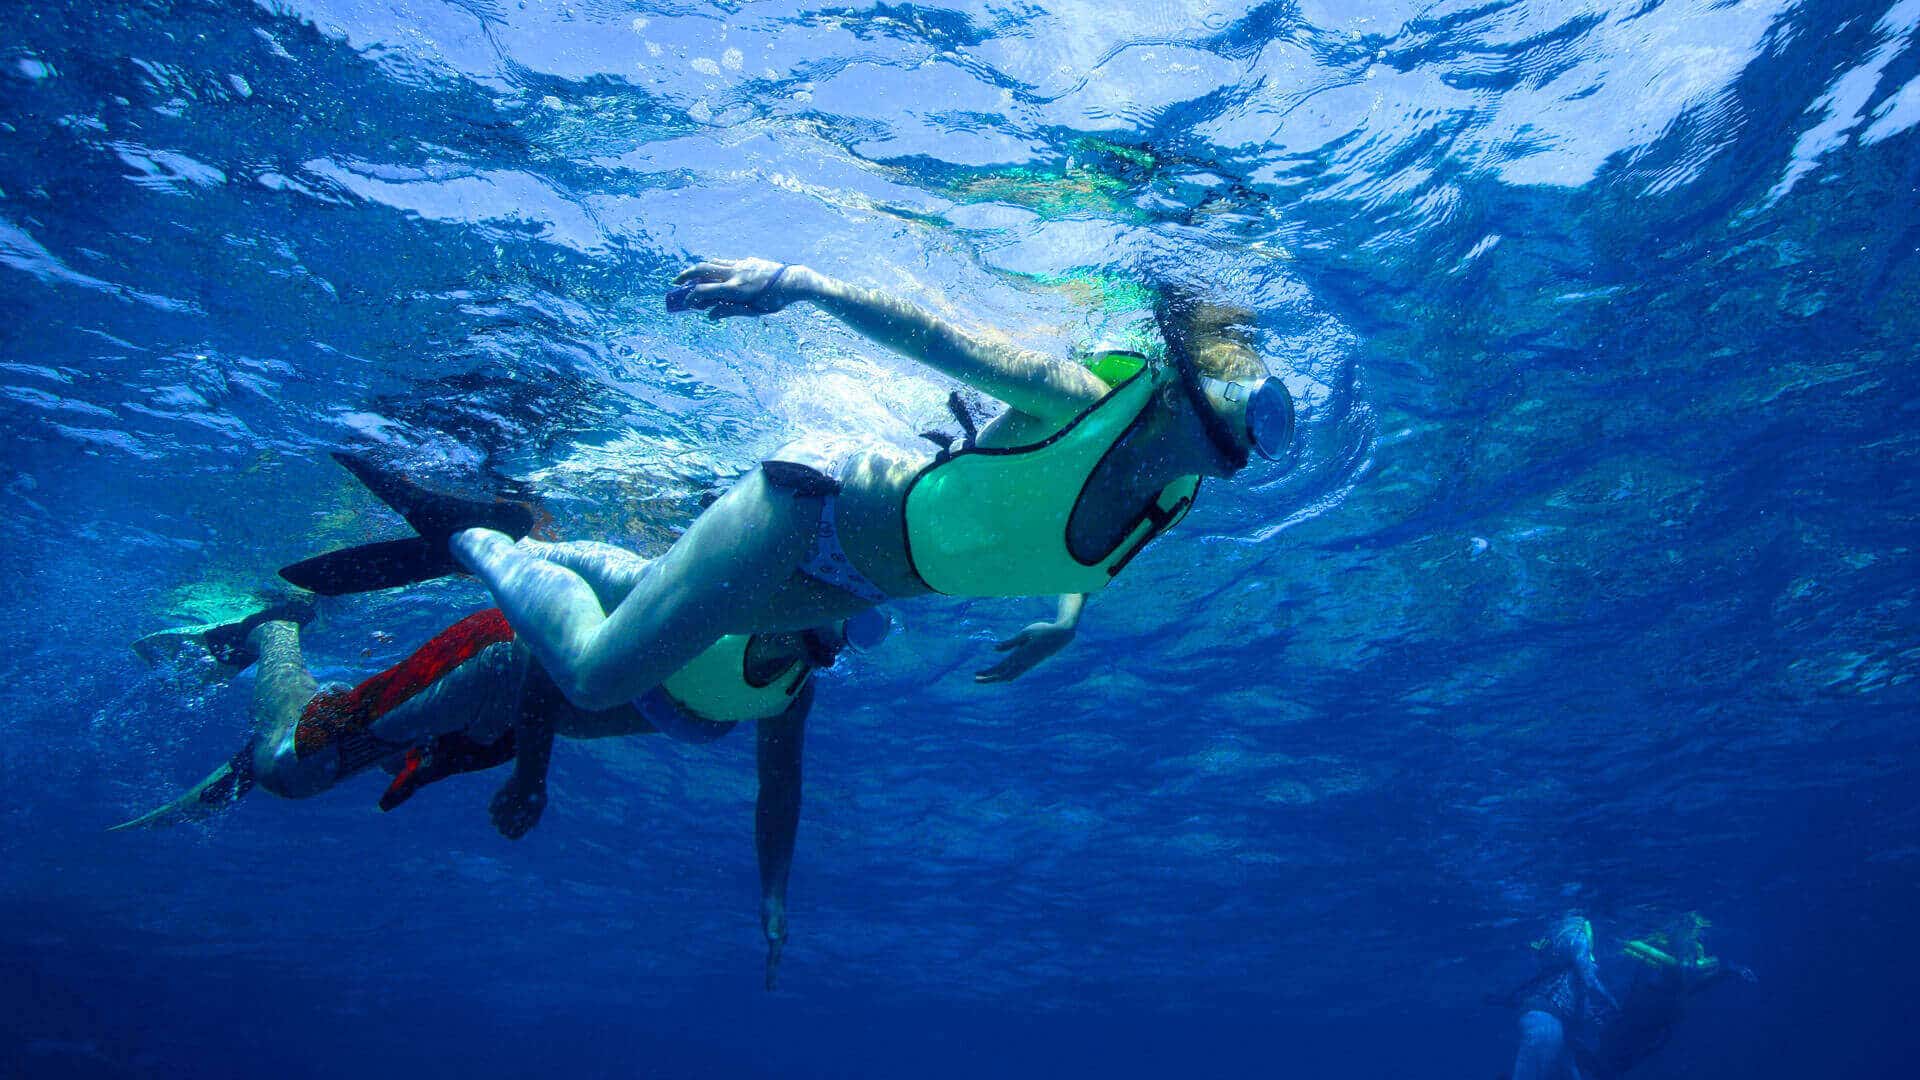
x,y
609,571
279,697
717,579
1542,1048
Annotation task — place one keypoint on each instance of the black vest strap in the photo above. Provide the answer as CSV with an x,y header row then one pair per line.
x,y
948,444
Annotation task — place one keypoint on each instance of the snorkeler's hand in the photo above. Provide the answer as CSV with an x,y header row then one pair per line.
x,y
516,807
724,287
773,922
1024,650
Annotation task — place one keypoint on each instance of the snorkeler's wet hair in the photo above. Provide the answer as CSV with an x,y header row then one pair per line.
x,y
1571,940
1218,339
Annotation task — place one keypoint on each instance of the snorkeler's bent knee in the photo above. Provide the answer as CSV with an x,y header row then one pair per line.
x,y
555,611
716,579
1541,1042
279,698
1539,1027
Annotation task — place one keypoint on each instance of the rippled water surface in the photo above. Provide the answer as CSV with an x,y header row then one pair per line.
x,y
1595,587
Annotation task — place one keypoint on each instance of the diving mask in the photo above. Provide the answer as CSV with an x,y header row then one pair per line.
x,y
1264,410
867,629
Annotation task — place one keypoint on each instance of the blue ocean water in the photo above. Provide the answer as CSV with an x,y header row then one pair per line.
x,y
1594,588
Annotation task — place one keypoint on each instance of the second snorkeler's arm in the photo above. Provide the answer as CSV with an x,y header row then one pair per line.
x,y
776,817
611,572
1038,641
517,806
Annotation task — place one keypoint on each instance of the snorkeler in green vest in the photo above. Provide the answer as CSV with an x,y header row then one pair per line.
x,y
1055,496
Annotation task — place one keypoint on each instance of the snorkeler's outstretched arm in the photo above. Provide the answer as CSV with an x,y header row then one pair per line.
x,y
1037,642
776,817
1030,382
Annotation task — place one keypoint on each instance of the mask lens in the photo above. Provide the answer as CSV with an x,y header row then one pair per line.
x,y
1270,419
867,629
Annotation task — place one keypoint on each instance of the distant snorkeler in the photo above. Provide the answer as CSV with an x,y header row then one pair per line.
x,y
473,698
1572,1028
1090,463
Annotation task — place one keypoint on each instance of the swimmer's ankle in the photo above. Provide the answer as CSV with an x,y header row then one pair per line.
x,y
260,636
470,547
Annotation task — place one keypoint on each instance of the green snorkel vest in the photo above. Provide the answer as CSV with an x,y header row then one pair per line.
x,y
715,685
993,522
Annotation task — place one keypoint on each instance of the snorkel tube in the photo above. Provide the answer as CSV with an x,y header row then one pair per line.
x,y
1569,944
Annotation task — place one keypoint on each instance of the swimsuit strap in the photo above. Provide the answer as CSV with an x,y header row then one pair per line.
x,y
827,560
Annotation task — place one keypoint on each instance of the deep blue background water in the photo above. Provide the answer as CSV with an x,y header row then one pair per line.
x,y
1596,587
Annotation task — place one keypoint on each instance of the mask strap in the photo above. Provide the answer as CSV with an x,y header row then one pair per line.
x,y
1218,433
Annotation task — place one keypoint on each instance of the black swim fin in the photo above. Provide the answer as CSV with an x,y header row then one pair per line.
x,y
387,564
223,787
435,516
226,641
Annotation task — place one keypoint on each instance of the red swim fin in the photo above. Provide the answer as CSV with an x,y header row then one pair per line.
x,y
447,755
405,782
